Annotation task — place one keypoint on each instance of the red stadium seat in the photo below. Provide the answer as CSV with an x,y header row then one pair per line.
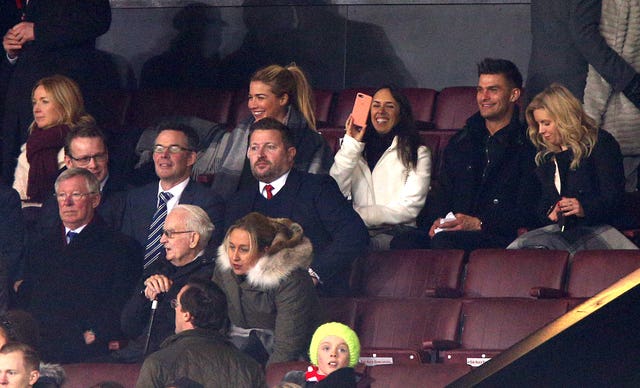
x,y
454,106
593,271
409,273
495,273
406,331
491,325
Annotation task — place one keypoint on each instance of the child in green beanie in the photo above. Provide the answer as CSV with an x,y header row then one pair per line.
x,y
334,352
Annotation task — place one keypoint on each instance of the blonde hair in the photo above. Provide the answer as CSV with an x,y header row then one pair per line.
x,y
67,99
577,130
265,232
292,81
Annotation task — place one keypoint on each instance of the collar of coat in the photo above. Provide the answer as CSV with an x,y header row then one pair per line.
x,y
271,269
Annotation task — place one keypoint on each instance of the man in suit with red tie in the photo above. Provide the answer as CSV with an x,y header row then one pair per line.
x,y
78,275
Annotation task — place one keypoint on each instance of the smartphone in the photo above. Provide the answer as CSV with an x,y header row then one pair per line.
x,y
361,109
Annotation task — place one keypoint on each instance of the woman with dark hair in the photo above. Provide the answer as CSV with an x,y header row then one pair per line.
x,y
385,171
581,174
282,93
262,267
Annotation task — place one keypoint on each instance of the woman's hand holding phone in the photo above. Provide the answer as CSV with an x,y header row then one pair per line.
x,y
353,130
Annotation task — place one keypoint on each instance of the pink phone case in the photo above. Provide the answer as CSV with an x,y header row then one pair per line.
x,y
361,109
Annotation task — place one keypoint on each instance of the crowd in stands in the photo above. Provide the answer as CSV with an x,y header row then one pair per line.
x,y
210,284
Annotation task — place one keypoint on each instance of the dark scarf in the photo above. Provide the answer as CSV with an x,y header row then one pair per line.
x,y
43,146
376,145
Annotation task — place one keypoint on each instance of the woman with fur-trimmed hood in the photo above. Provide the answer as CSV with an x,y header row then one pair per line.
x,y
262,267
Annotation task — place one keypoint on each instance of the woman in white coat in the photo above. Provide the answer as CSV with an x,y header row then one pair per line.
x,y
385,171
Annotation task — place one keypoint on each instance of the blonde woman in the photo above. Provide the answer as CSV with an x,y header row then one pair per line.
x,y
580,169
57,106
262,267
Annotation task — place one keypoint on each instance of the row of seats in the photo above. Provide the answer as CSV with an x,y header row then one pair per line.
x,y
444,110
490,273
429,306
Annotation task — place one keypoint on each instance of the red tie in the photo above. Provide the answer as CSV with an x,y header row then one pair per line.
x,y
269,190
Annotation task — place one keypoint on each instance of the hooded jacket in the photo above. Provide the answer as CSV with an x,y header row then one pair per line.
x,y
277,294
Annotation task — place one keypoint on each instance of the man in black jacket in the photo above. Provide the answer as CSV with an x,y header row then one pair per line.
x,y
198,353
78,275
487,179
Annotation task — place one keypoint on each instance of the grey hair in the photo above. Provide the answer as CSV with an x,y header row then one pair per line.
x,y
93,186
197,220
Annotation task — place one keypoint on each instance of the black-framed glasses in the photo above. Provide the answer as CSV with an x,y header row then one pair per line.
x,y
172,233
173,149
62,197
174,303
84,161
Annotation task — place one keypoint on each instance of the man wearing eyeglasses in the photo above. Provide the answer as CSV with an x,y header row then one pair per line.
x,y
174,154
185,235
78,274
86,147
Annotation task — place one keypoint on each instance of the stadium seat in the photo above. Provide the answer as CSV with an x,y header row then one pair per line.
x,y
495,273
88,375
491,325
594,270
422,102
409,273
344,105
323,100
406,331
454,105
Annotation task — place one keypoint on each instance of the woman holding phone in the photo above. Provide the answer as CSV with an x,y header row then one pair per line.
x,y
282,93
383,168
580,170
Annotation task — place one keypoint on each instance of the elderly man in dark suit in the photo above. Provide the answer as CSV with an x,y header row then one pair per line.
x,y
336,231
174,154
78,274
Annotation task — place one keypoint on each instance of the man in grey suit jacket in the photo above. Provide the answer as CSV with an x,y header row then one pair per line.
x,y
174,153
566,39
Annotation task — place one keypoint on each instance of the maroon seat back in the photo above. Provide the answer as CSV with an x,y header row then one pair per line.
x,y
493,273
422,102
408,273
454,106
344,105
406,323
593,271
88,375
150,105
491,325
332,136
340,309
323,100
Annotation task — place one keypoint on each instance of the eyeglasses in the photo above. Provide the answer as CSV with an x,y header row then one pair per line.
x,y
173,149
84,161
174,303
172,233
62,197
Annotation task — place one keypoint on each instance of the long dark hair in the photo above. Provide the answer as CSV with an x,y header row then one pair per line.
x,y
405,129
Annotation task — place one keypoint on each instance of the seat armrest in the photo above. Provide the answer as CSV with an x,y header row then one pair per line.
x,y
440,344
442,292
546,293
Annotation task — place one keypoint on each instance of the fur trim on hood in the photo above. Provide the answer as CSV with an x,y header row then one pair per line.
x,y
295,252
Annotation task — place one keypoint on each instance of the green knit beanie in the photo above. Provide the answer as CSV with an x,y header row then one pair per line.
x,y
339,330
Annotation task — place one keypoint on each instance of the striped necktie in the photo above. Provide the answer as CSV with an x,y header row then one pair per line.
x,y
154,248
